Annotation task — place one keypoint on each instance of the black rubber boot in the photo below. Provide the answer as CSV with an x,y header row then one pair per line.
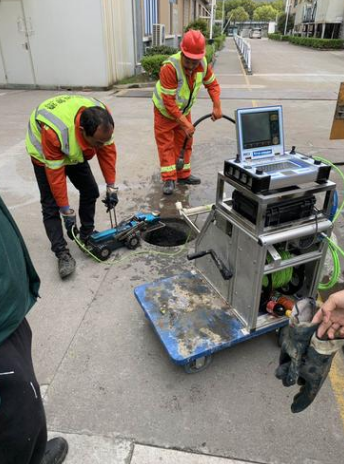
x,y
55,451
66,264
169,186
191,180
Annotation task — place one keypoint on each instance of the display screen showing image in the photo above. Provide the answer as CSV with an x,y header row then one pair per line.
x,y
259,129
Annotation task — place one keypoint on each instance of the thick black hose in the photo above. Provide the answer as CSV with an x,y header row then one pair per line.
x,y
206,116
180,162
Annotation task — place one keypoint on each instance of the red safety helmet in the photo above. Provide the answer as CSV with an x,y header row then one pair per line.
x,y
193,45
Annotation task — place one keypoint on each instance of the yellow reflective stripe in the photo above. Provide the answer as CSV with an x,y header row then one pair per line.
x,y
168,91
35,142
209,81
54,164
186,167
168,168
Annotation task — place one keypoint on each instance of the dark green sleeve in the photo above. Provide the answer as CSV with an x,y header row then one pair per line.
x,y
19,281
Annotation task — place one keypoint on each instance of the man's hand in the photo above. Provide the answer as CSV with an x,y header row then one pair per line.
x,y
187,126
69,219
217,111
331,317
111,198
305,359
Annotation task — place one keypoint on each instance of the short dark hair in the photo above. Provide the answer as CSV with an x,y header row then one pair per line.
x,y
93,117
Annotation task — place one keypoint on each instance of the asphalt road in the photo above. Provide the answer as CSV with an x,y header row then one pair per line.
x,y
108,382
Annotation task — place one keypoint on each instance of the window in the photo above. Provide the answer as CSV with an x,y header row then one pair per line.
x,y
151,15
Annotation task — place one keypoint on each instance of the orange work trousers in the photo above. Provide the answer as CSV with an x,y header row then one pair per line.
x,y
170,139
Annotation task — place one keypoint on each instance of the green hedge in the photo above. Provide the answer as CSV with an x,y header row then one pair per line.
x,y
312,42
317,43
152,64
219,42
198,25
160,50
209,53
282,38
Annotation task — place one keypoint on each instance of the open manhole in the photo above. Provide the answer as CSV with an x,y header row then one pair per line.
x,y
175,233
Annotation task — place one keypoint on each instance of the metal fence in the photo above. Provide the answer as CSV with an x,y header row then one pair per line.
x,y
245,51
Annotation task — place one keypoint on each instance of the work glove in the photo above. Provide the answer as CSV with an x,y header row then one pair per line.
x,y
304,359
69,219
111,198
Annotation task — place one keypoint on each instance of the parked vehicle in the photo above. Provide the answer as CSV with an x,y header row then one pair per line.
x,y
255,33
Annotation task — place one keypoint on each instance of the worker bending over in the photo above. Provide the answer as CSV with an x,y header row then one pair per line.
x,y
64,133
181,77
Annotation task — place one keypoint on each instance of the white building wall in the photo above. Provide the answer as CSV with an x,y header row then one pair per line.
x,y
119,36
66,43
330,11
2,70
299,14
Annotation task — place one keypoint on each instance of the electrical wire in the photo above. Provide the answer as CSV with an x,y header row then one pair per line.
x,y
336,266
315,211
326,161
282,277
333,247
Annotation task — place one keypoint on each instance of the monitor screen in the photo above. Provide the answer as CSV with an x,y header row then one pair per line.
x,y
260,129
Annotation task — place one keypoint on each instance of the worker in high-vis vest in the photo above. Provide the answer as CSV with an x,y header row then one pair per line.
x,y
64,133
181,78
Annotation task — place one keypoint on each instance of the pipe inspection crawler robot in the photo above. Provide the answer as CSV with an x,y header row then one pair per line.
x,y
261,247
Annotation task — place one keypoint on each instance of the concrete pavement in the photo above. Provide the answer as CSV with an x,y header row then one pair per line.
x,y
109,386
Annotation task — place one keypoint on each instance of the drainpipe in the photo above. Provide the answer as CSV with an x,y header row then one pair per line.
x,y
323,30
287,17
137,33
211,20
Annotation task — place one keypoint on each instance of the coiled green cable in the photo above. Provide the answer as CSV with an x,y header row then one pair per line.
x,y
279,278
336,268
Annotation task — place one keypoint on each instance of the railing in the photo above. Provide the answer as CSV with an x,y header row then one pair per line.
x,y
245,52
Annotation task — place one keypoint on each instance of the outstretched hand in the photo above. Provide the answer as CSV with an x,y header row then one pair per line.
x,y
331,317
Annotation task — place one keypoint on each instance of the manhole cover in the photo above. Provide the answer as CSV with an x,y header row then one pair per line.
x,y
175,233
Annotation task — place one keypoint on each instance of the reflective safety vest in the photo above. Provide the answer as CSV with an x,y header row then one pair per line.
x,y
58,113
185,98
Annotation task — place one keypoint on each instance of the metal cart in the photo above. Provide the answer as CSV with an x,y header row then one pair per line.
x,y
217,306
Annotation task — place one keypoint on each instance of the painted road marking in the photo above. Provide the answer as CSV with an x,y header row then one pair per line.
x,y
337,382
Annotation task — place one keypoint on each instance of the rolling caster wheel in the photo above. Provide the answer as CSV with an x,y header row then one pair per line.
x,y
197,365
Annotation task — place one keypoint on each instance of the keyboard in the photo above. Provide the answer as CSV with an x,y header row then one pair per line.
x,y
277,166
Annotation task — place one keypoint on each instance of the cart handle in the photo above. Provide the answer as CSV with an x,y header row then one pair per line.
x,y
225,271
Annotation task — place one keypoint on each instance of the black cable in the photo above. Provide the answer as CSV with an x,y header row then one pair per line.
x,y
315,211
206,116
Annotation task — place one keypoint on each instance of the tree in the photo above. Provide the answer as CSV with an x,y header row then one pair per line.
x,y
281,23
279,5
264,13
239,14
200,25
248,5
